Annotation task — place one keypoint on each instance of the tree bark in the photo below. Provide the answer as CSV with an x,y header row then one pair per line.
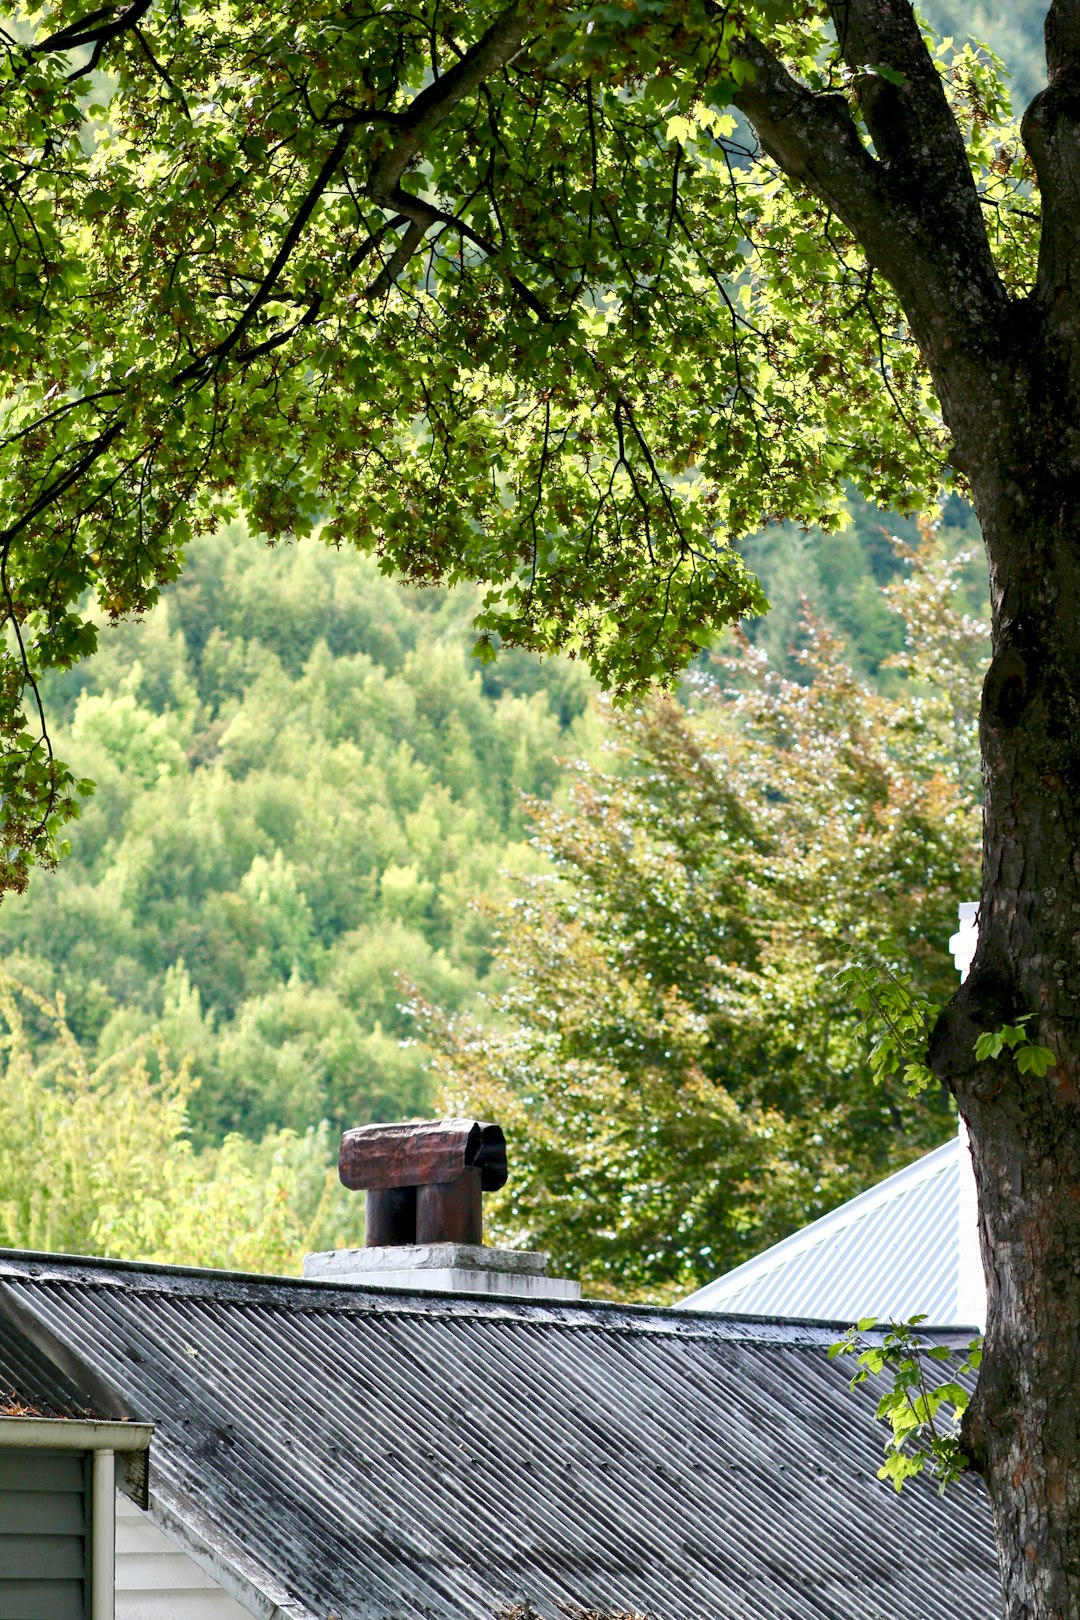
x,y
1023,1429
1007,373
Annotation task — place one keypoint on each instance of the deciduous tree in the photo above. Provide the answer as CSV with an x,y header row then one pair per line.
x,y
506,291
682,1070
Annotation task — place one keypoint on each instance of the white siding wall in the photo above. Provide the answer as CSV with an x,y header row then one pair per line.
x,y
156,1580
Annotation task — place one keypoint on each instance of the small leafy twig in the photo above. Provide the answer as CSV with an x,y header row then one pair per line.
x,y
924,1418
1030,1059
896,1020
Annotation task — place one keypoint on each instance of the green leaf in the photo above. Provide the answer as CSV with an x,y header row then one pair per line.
x,y
890,75
1034,1060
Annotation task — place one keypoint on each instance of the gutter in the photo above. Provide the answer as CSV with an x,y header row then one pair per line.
x,y
73,1434
103,1441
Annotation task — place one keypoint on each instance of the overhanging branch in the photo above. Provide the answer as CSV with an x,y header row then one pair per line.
x,y
1051,131
915,214
425,215
432,107
331,163
96,28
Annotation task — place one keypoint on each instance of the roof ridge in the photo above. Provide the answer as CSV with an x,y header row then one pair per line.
x,y
314,1296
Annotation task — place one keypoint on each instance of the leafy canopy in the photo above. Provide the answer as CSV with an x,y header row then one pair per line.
x,y
96,1159
498,293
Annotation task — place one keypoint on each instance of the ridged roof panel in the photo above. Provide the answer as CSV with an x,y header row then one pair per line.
x,y
380,1456
892,1253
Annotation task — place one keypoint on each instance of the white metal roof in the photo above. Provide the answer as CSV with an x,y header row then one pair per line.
x,y
899,1250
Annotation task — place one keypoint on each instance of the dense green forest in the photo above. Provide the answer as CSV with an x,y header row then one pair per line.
x,y
316,812
302,781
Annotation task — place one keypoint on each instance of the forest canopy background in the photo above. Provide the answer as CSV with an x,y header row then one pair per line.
x,y
306,784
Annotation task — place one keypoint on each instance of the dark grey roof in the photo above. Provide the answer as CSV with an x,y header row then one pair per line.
x,y
377,1456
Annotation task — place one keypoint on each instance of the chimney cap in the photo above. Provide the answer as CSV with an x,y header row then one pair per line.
x,y
422,1153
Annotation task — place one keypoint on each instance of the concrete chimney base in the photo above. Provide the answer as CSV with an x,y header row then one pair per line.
x,y
446,1268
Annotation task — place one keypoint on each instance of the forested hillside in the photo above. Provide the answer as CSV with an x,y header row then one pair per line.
x,y
303,779
304,785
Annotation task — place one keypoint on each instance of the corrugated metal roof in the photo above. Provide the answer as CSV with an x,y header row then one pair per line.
x,y
376,1456
892,1252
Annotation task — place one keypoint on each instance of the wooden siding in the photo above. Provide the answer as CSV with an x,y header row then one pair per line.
x,y
43,1535
156,1580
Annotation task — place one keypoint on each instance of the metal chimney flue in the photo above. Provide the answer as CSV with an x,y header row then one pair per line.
x,y
424,1180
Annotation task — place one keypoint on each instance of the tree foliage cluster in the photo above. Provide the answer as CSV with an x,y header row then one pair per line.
x,y
1014,30
302,780
503,294
684,1073
96,1158
844,576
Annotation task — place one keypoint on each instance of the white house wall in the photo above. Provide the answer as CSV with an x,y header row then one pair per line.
x,y
157,1580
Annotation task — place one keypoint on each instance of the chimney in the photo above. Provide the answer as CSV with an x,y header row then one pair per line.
x,y
424,1183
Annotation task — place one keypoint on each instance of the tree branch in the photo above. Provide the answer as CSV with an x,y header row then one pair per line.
x,y
205,362
916,217
432,107
911,124
91,453
428,111
1051,132
96,28
424,215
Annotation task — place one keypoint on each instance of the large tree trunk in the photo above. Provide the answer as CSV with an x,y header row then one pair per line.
x,y
1007,373
1024,1425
